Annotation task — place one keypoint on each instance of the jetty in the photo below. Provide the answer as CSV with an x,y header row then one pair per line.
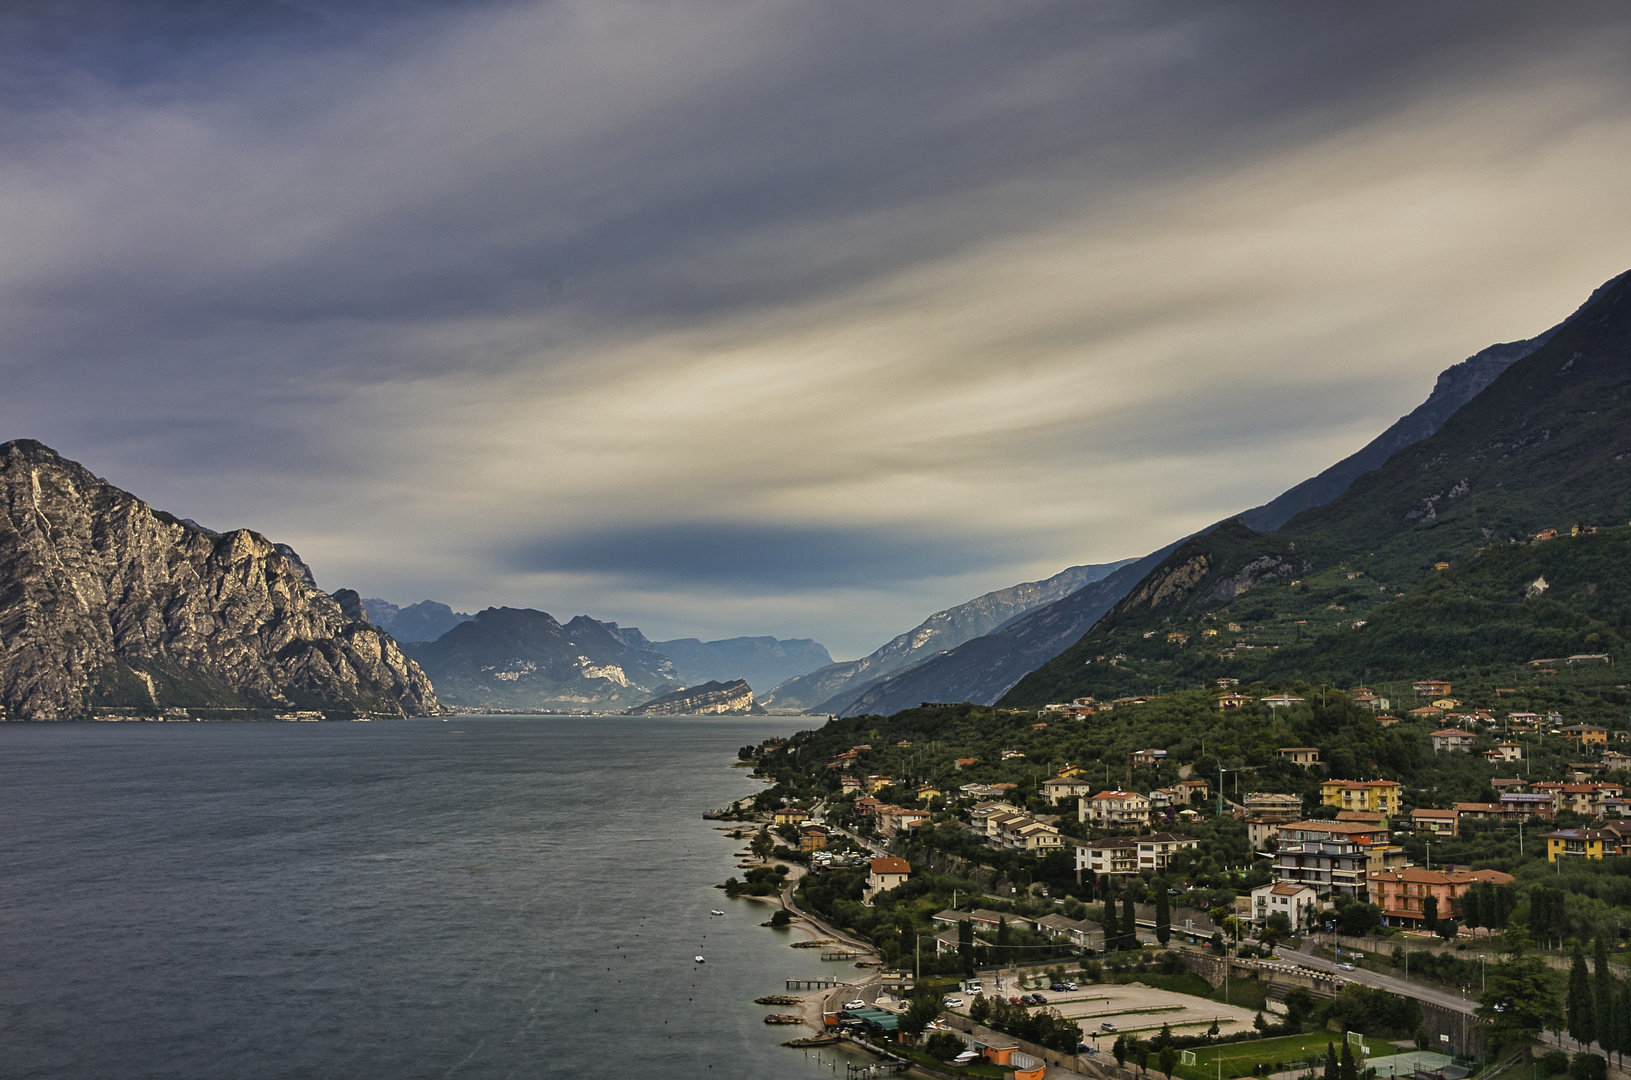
x,y
826,983
778,999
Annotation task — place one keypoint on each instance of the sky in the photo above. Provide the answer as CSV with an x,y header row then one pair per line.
x,y
722,317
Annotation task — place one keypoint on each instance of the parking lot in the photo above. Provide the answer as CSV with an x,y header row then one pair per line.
x,y
1140,1009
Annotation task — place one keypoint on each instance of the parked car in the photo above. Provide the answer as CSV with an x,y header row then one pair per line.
x,y
1057,988
1070,986
953,1003
1038,999
1107,1026
1016,1001
856,1004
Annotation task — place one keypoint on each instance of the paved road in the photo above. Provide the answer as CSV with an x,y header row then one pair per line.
x,y
1446,998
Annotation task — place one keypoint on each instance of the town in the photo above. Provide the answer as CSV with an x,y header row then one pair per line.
x,y
1266,867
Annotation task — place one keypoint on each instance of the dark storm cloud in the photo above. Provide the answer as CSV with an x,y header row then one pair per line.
x,y
755,558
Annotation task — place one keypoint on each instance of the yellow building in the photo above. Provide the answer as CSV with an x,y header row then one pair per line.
x,y
790,816
1579,844
1380,796
1586,734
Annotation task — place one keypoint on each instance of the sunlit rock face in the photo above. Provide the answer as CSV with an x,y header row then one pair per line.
x,y
106,602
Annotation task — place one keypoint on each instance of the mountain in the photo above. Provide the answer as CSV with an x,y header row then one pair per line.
x,y
518,658
761,661
424,621
1456,386
983,671
106,603
1345,587
832,688
709,699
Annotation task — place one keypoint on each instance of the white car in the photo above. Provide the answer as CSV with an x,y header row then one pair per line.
x,y
1346,967
856,1004
953,1003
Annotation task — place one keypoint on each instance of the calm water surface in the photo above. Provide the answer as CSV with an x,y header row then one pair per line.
x,y
490,897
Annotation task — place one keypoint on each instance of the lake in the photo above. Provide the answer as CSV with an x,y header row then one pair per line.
x,y
486,897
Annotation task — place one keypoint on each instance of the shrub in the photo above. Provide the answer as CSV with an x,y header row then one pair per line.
x,y
1588,1067
1552,1062
944,1045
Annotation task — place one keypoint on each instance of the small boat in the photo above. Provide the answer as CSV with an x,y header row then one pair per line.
x,y
965,1057
700,960
716,911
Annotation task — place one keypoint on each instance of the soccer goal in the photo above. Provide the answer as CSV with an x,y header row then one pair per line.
x,y
1186,1057
1356,1038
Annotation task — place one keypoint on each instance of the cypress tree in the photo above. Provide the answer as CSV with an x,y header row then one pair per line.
x,y
1602,986
1129,923
1429,913
1112,925
1348,1070
1578,1007
1163,912
1624,1027
1331,1068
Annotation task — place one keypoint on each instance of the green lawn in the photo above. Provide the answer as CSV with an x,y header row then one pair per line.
x,y
1239,1058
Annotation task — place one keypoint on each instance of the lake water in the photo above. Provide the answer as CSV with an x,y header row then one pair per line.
x,y
487,897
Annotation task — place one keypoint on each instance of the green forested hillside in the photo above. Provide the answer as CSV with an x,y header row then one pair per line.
x,y
1547,445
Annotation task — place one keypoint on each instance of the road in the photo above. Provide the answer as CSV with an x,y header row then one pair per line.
x,y
1382,982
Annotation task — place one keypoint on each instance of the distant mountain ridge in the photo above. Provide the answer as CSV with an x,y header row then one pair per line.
x,y
832,688
1545,446
983,670
425,621
519,658
761,661
107,603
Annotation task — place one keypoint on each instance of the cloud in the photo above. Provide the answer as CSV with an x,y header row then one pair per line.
x,y
754,558
763,317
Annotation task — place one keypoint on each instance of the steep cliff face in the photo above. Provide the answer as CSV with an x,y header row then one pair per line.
x,y
709,699
106,602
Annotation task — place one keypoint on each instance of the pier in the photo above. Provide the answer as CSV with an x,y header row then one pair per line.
x,y
842,955
826,983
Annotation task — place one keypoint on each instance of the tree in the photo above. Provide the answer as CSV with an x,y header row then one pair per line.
x,y
1090,883
1217,941
1276,928
1141,1054
1165,1038
965,945
1129,922
1119,1050
1448,929
1348,1069
1332,1069
1579,1009
1522,998
1112,926
1588,1067
762,844
1163,912
781,917
1429,913
944,1046
1602,993
979,1010
1168,1060
1299,1003
922,1012
1472,906
1546,918
1212,1032
1258,1022
1004,934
